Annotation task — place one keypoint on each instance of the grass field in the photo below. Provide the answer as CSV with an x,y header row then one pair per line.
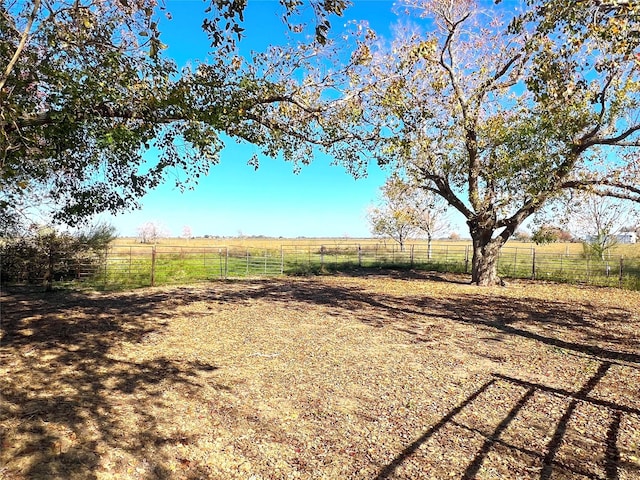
x,y
127,264
571,248
179,261
403,376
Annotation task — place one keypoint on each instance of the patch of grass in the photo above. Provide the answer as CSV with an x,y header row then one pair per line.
x,y
132,266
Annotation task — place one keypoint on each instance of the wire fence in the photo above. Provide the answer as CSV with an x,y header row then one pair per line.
x,y
146,265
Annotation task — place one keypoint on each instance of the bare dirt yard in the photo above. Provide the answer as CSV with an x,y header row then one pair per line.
x,y
400,376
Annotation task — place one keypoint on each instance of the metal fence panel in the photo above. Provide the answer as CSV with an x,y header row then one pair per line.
x,y
148,265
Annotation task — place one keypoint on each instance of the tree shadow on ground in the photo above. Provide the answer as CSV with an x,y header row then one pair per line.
x,y
547,463
609,334
65,343
607,337
61,371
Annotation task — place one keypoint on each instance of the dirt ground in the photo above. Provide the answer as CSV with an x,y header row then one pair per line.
x,y
403,376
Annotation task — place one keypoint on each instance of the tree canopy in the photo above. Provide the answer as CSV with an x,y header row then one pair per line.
x,y
86,92
499,113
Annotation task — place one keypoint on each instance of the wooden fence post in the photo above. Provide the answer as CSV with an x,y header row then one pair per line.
x,y
281,260
466,259
621,270
106,265
533,263
153,266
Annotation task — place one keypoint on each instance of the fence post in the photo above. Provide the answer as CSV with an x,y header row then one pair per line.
x,y
621,269
247,266
226,262
153,266
321,257
359,256
533,263
466,259
106,264
446,258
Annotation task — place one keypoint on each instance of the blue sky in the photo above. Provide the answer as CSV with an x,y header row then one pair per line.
x,y
320,201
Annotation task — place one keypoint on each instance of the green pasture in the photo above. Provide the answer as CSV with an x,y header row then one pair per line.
x,y
130,267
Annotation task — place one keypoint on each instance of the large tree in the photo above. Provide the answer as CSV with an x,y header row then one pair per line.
x,y
86,92
498,114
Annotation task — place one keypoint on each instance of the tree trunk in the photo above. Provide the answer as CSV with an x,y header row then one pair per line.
x,y
485,258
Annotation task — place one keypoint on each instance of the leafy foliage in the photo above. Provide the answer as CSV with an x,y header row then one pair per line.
x,y
44,255
87,94
407,211
93,115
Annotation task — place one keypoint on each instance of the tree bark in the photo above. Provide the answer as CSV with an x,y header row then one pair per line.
x,y
486,249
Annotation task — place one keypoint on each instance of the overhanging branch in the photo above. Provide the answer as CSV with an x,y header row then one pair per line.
x,y
21,44
613,188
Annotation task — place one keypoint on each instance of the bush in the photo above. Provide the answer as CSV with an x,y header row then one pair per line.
x,y
48,256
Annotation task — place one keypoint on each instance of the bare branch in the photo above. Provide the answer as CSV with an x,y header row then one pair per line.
x,y
613,141
21,44
634,191
603,109
486,86
446,48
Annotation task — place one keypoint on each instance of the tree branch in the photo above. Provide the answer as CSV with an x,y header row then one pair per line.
x,y
449,68
49,117
21,44
634,191
603,109
444,190
613,141
485,86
